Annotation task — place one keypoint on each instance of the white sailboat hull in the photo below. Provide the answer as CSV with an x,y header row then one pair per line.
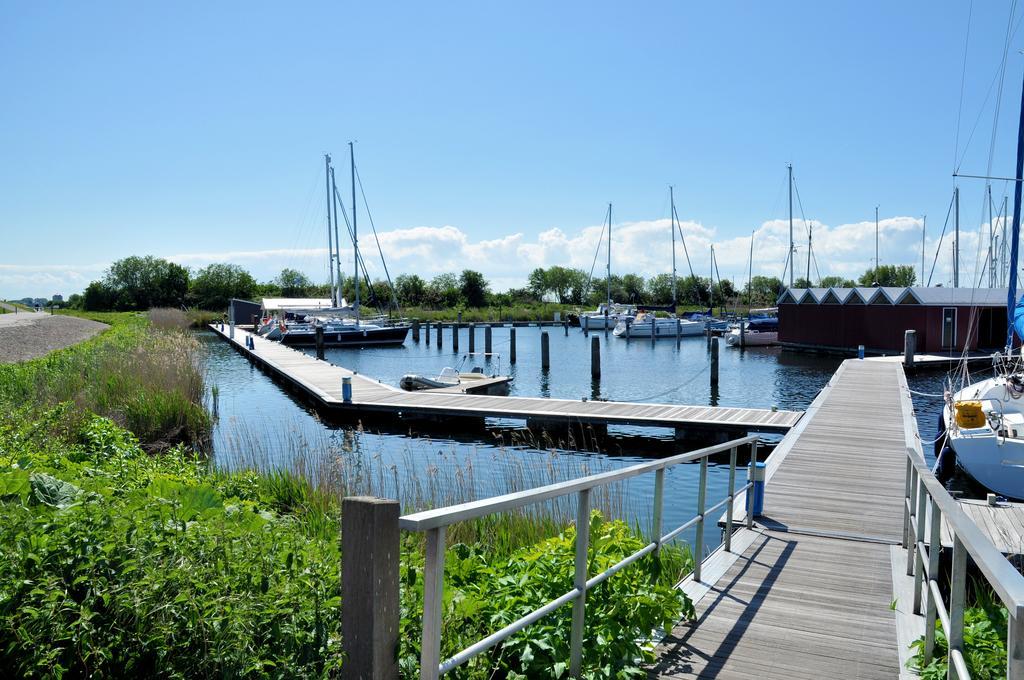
x,y
993,454
664,328
752,338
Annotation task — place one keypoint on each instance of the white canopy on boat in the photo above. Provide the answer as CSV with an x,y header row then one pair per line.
x,y
278,304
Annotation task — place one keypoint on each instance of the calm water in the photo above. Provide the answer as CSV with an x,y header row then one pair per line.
x,y
259,421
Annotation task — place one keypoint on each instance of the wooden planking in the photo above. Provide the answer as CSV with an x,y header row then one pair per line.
x,y
812,597
323,381
1002,524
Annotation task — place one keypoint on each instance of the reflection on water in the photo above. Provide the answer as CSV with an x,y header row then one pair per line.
x,y
260,423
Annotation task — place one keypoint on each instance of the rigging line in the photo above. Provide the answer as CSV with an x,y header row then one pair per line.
x,y
963,80
597,251
999,92
679,226
938,247
369,215
305,219
673,389
362,262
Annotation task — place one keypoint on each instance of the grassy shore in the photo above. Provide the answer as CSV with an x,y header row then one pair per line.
x,y
124,552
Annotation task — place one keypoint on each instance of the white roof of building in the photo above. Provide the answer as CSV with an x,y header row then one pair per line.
x,y
933,296
274,304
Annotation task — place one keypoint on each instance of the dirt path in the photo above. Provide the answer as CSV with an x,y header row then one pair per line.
x,y
28,335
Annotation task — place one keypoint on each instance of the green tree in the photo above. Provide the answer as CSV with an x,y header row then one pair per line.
x,y
293,283
538,284
411,290
803,283
213,286
837,282
473,288
889,275
138,283
659,289
443,291
693,290
633,288
723,292
765,290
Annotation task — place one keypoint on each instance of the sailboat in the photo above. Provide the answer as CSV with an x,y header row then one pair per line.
x,y
342,324
984,422
647,323
608,314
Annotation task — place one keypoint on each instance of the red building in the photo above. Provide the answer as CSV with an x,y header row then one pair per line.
x,y
840,319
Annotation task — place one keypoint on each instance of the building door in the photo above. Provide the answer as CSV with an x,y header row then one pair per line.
x,y
949,328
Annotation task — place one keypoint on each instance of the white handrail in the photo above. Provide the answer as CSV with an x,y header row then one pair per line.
x,y
435,522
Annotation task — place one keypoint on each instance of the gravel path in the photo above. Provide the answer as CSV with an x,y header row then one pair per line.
x,y
26,336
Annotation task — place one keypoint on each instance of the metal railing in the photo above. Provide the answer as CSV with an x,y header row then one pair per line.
x,y
926,505
434,522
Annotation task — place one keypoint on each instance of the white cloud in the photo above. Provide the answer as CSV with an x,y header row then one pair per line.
x,y
643,247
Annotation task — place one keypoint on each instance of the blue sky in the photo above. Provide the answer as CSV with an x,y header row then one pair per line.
x,y
491,137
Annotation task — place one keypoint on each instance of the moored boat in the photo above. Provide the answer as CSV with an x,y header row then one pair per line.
x,y
756,333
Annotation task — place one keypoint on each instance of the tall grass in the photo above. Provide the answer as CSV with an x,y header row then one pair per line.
x,y
150,381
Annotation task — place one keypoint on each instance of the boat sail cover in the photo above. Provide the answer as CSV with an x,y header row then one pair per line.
x,y
1014,307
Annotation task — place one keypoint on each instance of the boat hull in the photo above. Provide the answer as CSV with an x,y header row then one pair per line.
x,y
751,338
357,337
664,329
994,459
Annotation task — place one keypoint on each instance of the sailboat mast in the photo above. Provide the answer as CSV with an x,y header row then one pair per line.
x,y
924,230
810,230
1011,291
608,277
956,239
876,246
790,166
672,218
330,245
1005,261
750,273
991,241
337,240
355,231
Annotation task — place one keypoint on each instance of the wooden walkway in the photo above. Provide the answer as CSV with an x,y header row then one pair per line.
x,y
322,381
810,594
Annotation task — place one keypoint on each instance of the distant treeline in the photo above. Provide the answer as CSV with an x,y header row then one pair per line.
x,y
140,283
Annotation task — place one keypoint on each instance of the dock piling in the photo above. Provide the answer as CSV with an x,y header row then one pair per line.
x,y
679,332
426,333
472,338
714,362
512,345
369,586
565,325
654,329
440,327
545,355
605,322
707,331
415,330
455,337
909,348
595,358
743,334
487,340
319,333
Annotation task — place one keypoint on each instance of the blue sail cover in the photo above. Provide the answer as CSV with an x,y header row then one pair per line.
x,y
1014,311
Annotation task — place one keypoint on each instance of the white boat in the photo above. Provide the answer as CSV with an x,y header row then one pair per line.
x,y
984,422
606,316
449,377
756,333
646,323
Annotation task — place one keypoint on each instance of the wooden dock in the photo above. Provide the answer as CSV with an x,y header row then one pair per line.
x,y
808,592
322,382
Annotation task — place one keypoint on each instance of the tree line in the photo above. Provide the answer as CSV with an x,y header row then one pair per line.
x,y
139,283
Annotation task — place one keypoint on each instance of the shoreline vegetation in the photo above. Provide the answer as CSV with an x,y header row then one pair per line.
x,y
125,551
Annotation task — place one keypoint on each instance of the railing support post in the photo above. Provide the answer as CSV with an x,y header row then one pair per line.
x,y
910,524
369,587
579,606
906,505
957,598
931,610
659,503
698,544
1015,646
732,493
750,491
922,509
433,603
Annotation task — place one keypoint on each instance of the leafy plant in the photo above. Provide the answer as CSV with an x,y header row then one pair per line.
x,y
984,642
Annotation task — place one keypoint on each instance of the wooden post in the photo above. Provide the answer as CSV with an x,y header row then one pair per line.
x,y
743,334
606,322
455,337
585,324
714,362
426,333
440,327
707,331
679,332
629,325
512,345
487,339
545,356
319,333
909,348
595,358
369,587
472,338
565,325
415,330
654,328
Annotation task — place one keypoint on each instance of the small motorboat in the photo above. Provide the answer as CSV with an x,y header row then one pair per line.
x,y
757,333
647,323
606,316
449,377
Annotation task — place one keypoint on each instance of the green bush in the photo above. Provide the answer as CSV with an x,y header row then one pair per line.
x,y
984,642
